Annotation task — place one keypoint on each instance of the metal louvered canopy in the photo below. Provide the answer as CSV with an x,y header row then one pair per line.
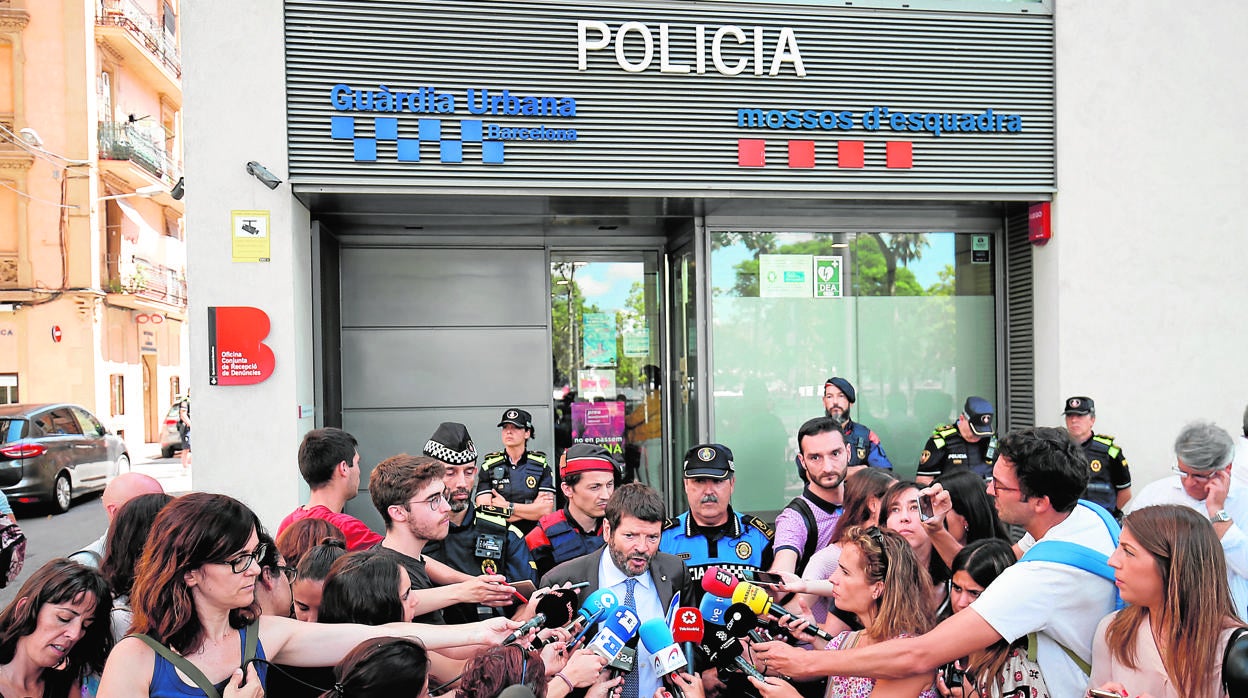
x,y
652,133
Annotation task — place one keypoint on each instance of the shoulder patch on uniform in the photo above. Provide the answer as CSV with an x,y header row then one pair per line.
x,y
945,430
538,457
492,458
670,523
1103,438
760,525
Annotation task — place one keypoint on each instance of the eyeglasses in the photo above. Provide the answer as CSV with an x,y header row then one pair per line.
x,y
996,485
434,502
241,563
1198,477
288,571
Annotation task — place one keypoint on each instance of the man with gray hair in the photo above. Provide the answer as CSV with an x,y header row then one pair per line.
x,y
1202,481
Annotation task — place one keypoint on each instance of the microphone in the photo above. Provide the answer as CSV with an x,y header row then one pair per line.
x,y
558,606
687,628
719,582
713,607
759,602
740,621
591,610
525,627
725,651
624,662
664,652
616,631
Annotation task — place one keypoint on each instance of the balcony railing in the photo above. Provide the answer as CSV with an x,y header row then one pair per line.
x,y
122,141
145,28
152,281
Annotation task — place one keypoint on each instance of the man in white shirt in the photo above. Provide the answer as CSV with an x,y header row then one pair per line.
x,y
1203,481
1037,480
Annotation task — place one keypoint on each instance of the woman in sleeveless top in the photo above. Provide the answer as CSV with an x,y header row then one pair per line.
x,y
54,633
1170,639
879,580
194,597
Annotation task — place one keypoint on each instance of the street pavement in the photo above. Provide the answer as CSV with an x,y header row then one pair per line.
x,y
51,536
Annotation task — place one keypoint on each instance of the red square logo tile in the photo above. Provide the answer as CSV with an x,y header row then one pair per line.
x,y
851,154
751,152
802,154
899,155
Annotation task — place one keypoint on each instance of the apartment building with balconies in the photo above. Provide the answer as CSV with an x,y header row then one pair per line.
x,y
92,252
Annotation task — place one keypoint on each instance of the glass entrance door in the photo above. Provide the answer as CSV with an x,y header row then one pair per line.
x,y
606,342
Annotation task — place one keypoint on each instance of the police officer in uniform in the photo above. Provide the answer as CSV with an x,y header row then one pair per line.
x,y
864,444
589,476
1109,483
711,533
516,478
968,443
480,540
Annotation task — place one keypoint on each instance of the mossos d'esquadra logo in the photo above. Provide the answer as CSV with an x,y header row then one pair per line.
x,y
430,133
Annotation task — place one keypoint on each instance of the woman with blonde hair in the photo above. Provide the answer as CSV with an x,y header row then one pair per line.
x,y
880,581
1170,639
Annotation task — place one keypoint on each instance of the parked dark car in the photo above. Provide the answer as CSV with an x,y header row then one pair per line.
x,y
170,437
55,452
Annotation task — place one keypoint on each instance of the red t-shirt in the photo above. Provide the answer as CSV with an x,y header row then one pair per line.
x,y
359,536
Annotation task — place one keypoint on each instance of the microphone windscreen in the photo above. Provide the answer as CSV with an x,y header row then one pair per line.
x,y
688,625
752,596
718,581
597,601
713,607
557,607
655,635
615,632
739,620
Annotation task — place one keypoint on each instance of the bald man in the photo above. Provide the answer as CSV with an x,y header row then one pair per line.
x,y
120,490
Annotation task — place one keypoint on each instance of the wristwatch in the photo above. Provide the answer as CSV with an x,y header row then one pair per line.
x,y
1221,517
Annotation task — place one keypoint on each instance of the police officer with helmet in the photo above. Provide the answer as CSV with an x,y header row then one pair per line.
x,y
1109,481
969,443
711,532
480,540
515,477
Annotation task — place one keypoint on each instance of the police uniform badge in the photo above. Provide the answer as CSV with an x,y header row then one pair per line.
x,y
512,414
706,454
530,482
1095,465
489,567
743,550
923,458
862,454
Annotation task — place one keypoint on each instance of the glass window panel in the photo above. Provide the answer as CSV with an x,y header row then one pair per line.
x,y
914,330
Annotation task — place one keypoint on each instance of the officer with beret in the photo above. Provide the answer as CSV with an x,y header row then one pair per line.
x,y
1109,483
589,476
516,478
864,445
711,532
480,540
969,443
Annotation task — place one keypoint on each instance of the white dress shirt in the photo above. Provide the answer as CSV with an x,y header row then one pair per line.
x,y
646,597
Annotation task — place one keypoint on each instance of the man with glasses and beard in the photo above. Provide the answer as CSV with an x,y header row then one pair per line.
x,y
806,523
409,493
634,569
479,541
711,533
864,445
1204,453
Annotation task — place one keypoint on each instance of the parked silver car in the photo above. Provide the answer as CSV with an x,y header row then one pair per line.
x,y
55,452
170,437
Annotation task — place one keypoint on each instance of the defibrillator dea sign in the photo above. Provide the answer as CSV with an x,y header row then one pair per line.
x,y
828,279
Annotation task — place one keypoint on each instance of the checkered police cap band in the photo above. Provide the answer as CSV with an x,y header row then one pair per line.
x,y
433,449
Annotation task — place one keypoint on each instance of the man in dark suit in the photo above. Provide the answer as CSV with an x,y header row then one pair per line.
x,y
632,566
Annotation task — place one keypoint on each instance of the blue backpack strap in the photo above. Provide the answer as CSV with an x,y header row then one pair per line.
x,y
1080,556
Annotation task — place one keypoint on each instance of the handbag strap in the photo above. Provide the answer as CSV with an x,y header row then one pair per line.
x,y
251,634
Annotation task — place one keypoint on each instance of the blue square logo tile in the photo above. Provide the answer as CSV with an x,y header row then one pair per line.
x,y
492,152
409,150
470,130
430,129
386,128
452,151
342,127
365,149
